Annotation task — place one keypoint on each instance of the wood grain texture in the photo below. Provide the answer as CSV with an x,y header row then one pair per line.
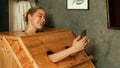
x,y
30,51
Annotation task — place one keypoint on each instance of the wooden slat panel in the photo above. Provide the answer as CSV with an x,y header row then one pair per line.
x,y
32,49
1,53
38,46
6,56
19,54
44,62
31,41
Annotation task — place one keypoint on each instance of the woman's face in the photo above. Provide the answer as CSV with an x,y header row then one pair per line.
x,y
38,19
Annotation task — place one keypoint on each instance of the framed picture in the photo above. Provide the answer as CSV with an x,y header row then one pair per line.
x,y
77,4
113,13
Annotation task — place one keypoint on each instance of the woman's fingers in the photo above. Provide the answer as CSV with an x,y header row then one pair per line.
x,y
79,44
76,39
84,41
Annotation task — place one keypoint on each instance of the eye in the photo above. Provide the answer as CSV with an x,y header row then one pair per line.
x,y
40,16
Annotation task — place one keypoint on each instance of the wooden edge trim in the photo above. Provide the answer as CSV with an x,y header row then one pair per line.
x,y
11,51
27,53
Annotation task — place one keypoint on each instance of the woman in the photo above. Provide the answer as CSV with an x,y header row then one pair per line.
x,y
35,19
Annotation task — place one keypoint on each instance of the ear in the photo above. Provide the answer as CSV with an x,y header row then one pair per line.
x,y
29,17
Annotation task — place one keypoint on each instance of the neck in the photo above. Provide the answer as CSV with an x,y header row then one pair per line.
x,y
30,29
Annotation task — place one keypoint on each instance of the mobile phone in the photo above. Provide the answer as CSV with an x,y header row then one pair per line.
x,y
83,33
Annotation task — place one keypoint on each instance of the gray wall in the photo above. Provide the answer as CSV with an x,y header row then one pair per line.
x,y
104,43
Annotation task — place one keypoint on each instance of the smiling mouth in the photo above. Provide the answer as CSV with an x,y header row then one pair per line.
x,y
41,24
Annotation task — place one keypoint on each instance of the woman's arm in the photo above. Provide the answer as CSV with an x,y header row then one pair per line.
x,y
77,46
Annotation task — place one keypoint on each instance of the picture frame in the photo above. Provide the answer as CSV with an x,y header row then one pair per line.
x,y
113,14
77,4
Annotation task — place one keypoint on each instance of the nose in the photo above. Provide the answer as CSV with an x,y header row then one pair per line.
x,y
43,17
43,20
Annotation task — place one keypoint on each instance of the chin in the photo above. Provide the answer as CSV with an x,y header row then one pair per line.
x,y
40,27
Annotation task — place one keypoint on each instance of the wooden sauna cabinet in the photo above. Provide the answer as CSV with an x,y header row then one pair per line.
x,y
20,50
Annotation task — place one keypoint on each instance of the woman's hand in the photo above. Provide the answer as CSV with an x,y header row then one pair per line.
x,y
79,44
